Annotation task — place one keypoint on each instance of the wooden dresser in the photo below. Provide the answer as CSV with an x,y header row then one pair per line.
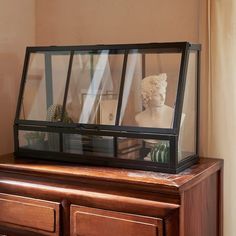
x,y
45,198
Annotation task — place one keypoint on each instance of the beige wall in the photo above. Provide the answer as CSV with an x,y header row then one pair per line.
x,y
17,30
121,21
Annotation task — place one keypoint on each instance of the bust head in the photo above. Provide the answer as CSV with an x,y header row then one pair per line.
x,y
154,90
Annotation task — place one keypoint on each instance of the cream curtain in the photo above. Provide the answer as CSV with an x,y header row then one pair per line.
x,y
219,100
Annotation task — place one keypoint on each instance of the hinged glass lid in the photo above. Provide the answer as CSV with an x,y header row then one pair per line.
x,y
136,86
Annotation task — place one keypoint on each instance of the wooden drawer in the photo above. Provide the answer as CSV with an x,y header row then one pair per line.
x,y
95,222
26,214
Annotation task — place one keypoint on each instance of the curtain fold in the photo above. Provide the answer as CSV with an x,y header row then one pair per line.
x,y
221,98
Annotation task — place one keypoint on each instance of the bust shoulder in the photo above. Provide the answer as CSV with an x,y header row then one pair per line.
x,y
159,118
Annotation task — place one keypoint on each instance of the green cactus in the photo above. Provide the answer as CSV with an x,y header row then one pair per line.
x,y
160,152
54,114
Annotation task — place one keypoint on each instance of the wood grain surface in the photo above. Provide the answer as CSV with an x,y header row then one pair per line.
x,y
100,201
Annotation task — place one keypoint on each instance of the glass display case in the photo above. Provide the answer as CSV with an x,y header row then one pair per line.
x,y
130,105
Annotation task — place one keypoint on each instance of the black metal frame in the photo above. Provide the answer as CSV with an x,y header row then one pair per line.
x,y
170,135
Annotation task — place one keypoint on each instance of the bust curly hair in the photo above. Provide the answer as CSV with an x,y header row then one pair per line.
x,y
153,83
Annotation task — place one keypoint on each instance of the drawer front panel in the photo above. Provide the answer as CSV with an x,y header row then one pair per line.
x,y
95,222
29,214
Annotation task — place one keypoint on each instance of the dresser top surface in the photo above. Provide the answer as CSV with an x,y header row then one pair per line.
x,y
206,166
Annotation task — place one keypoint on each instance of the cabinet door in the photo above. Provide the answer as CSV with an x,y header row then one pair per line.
x,y
20,214
96,222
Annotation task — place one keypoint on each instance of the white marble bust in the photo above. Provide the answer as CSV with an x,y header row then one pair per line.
x,y
156,113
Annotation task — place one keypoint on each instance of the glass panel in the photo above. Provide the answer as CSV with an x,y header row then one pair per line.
x,y
187,136
143,150
45,86
94,87
89,145
123,148
150,89
37,140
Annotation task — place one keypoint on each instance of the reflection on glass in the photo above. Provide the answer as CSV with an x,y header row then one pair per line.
x,y
103,146
45,85
94,87
89,145
150,89
37,140
187,136
121,148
